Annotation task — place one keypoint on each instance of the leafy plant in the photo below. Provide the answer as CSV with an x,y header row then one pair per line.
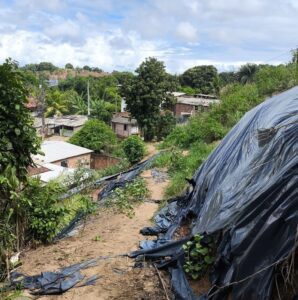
x,y
43,212
134,148
123,199
199,256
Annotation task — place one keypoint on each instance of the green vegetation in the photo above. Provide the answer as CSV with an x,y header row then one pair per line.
x,y
134,148
200,135
30,210
182,165
203,79
199,256
144,94
18,141
95,135
123,200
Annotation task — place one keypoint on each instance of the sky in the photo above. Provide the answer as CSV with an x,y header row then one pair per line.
x,y
120,34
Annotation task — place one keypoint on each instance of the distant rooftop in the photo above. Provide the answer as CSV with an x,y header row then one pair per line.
x,y
58,150
124,118
71,121
197,101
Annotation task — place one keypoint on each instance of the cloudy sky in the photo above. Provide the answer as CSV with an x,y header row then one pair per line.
x,y
119,34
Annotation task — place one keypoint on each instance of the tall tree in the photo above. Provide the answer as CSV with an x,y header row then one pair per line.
x,y
18,141
144,94
202,78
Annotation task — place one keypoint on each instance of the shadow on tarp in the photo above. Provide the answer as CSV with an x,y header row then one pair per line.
x,y
247,193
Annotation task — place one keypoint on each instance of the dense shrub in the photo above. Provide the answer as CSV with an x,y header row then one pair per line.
x,y
165,125
271,79
95,135
44,213
134,148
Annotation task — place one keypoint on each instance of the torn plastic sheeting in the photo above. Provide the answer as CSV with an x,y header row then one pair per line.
x,y
247,190
163,220
123,178
49,283
113,181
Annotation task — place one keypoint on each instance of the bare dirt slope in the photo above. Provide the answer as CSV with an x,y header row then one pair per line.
x,y
105,234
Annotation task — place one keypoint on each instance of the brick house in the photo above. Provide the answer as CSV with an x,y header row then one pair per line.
x,y
124,125
189,105
64,154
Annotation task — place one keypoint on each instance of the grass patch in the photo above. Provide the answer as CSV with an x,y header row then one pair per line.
x,y
181,167
162,161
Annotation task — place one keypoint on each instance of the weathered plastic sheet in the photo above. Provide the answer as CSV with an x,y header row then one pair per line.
x,y
49,283
247,190
111,183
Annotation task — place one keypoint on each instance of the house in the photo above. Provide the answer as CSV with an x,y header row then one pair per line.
x,y
189,105
63,154
63,126
124,125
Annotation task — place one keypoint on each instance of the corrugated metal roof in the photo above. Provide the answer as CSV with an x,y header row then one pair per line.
x,y
197,101
71,121
58,150
124,119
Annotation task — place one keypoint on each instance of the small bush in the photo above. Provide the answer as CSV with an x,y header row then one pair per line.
x,y
44,213
124,199
134,148
199,256
95,135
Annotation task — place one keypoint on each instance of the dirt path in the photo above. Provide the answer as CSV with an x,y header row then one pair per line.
x,y
105,234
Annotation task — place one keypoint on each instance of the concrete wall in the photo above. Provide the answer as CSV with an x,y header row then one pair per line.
x,y
120,131
75,161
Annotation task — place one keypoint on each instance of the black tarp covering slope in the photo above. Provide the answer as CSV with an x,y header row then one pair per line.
x,y
247,190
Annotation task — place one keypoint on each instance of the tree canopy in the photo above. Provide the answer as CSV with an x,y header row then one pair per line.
x,y
202,78
95,135
144,94
18,138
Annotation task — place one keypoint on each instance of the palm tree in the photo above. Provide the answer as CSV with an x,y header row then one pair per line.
x,y
56,105
246,73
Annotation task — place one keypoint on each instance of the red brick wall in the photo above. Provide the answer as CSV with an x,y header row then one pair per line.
x,y
101,161
183,108
74,162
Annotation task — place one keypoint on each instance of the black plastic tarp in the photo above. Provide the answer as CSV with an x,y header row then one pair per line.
x,y
110,183
49,283
247,190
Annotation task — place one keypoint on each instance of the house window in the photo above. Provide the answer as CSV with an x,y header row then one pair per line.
x,y
125,127
64,163
196,108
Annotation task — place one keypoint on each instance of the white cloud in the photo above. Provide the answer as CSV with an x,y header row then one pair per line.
x,y
115,34
27,47
187,31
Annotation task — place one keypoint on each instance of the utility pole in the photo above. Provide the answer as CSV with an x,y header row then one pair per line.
x,y
42,106
88,98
